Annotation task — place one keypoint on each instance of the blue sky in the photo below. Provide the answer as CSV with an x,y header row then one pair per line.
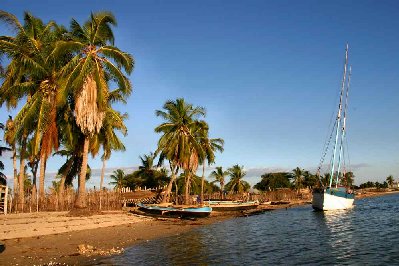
x,y
268,73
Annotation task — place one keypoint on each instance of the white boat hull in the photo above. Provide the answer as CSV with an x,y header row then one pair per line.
x,y
326,202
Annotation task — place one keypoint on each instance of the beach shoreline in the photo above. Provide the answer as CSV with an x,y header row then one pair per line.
x,y
51,238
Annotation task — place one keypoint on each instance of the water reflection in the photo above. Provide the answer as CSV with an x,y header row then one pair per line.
x,y
341,232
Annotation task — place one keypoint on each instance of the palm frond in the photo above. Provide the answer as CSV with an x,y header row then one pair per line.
x,y
64,47
11,21
123,83
121,58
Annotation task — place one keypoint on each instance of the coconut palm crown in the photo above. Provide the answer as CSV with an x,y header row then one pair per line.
x,y
236,184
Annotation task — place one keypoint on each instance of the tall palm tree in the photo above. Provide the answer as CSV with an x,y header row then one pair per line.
x,y
178,143
390,180
219,175
236,184
33,163
96,61
10,140
119,178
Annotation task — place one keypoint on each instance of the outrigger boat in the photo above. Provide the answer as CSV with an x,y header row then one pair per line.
x,y
230,205
183,212
329,196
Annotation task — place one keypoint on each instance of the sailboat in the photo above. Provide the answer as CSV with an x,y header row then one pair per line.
x,y
331,196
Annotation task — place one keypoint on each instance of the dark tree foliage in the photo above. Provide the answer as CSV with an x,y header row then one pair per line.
x,y
149,178
368,184
273,181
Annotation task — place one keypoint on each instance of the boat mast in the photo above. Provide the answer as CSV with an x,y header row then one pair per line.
x,y
339,116
343,125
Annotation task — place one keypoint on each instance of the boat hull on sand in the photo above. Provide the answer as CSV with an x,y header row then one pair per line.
x,y
174,211
233,205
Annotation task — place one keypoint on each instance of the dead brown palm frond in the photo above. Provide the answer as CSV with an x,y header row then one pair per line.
x,y
88,116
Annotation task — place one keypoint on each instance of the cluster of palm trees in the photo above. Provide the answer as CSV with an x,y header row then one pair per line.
x,y
62,78
148,175
151,176
185,142
388,183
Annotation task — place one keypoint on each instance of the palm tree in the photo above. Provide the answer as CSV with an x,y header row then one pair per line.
x,y
96,61
71,140
348,179
10,140
309,180
178,143
108,138
219,176
33,163
197,155
119,178
148,174
390,180
325,180
209,146
298,177
236,184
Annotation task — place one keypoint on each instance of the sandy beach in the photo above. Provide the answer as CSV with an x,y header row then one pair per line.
x,y
56,238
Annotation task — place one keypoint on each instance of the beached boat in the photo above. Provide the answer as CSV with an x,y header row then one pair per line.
x,y
229,205
184,212
329,196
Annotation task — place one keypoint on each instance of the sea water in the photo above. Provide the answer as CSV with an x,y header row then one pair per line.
x,y
367,234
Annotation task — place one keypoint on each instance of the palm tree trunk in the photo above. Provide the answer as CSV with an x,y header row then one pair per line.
x,y
34,186
21,193
80,202
62,192
42,176
102,175
14,163
62,183
176,188
202,183
222,188
169,187
102,181
186,190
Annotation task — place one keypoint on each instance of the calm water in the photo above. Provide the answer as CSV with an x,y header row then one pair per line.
x,y
367,234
